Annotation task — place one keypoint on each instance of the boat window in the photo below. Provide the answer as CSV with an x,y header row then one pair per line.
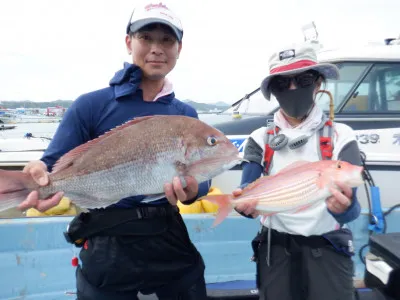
x,y
350,73
379,92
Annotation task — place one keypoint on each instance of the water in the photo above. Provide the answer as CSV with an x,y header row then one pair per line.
x,y
37,129
49,129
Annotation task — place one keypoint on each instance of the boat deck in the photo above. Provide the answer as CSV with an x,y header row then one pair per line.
x,y
37,259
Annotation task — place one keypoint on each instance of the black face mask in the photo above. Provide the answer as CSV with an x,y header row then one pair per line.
x,y
296,103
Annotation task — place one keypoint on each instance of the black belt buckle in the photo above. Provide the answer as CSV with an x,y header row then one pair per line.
x,y
70,239
67,237
78,243
142,212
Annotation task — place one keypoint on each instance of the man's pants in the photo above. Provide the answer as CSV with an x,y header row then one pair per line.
x,y
156,257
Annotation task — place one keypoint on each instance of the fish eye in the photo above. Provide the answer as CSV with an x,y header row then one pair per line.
x,y
339,165
212,141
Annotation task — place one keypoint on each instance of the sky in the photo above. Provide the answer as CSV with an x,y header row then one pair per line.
x,y
57,49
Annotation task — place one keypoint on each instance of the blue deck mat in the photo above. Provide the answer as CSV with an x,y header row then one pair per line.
x,y
245,284
233,285
246,289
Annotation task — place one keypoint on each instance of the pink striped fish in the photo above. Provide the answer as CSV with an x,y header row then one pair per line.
x,y
295,188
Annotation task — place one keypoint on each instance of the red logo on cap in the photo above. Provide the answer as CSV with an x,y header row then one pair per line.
x,y
296,65
151,6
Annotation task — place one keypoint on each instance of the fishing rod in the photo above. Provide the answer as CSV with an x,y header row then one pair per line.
x,y
246,97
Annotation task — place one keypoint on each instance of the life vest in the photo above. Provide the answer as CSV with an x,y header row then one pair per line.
x,y
325,144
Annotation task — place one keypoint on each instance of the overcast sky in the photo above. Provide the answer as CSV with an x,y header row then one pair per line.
x,y
57,49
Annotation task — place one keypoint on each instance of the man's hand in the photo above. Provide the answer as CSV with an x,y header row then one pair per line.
x,y
38,171
248,208
175,191
340,200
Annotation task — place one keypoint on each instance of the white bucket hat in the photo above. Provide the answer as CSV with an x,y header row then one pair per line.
x,y
150,13
293,61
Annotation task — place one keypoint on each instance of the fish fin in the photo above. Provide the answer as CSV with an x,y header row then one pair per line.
x,y
11,200
294,165
152,198
67,159
14,188
224,206
86,201
155,197
255,183
303,208
268,214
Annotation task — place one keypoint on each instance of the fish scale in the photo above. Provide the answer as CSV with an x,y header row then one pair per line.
x,y
293,193
117,182
292,200
271,194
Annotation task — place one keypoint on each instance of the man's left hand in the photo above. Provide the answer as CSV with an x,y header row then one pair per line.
x,y
340,200
175,191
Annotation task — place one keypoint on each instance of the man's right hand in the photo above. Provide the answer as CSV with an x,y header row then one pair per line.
x,y
248,208
38,170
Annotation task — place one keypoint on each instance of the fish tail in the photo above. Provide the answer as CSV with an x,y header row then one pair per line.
x,y
224,203
14,188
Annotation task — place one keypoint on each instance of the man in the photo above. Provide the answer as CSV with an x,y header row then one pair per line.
x,y
131,247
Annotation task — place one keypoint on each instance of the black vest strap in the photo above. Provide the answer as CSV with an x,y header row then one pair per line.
x,y
117,221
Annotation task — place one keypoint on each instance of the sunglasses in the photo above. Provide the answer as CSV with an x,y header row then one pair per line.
x,y
281,83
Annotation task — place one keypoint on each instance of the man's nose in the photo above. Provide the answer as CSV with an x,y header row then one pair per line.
x,y
156,48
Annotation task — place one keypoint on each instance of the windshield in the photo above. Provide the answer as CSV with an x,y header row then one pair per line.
x,y
349,74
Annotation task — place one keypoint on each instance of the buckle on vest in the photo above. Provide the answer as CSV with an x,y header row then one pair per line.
x,y
142,212
67,237
326,146
78,243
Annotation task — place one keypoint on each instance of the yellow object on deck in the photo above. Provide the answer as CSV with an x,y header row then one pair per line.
x,y
65,208
200,206
194,208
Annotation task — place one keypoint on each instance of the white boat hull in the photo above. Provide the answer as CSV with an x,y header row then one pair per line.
x,y
17,152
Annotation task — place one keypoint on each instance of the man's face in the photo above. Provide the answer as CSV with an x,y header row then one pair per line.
x,y
154,49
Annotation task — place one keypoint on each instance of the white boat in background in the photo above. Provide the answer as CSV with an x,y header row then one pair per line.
x,y
37,119
16,152
8,118
12,118
366,97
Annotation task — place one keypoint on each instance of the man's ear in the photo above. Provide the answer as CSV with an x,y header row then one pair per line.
x,y
179,49
128,40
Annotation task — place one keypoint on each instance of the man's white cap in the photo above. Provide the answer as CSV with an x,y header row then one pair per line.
x,y
150,13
